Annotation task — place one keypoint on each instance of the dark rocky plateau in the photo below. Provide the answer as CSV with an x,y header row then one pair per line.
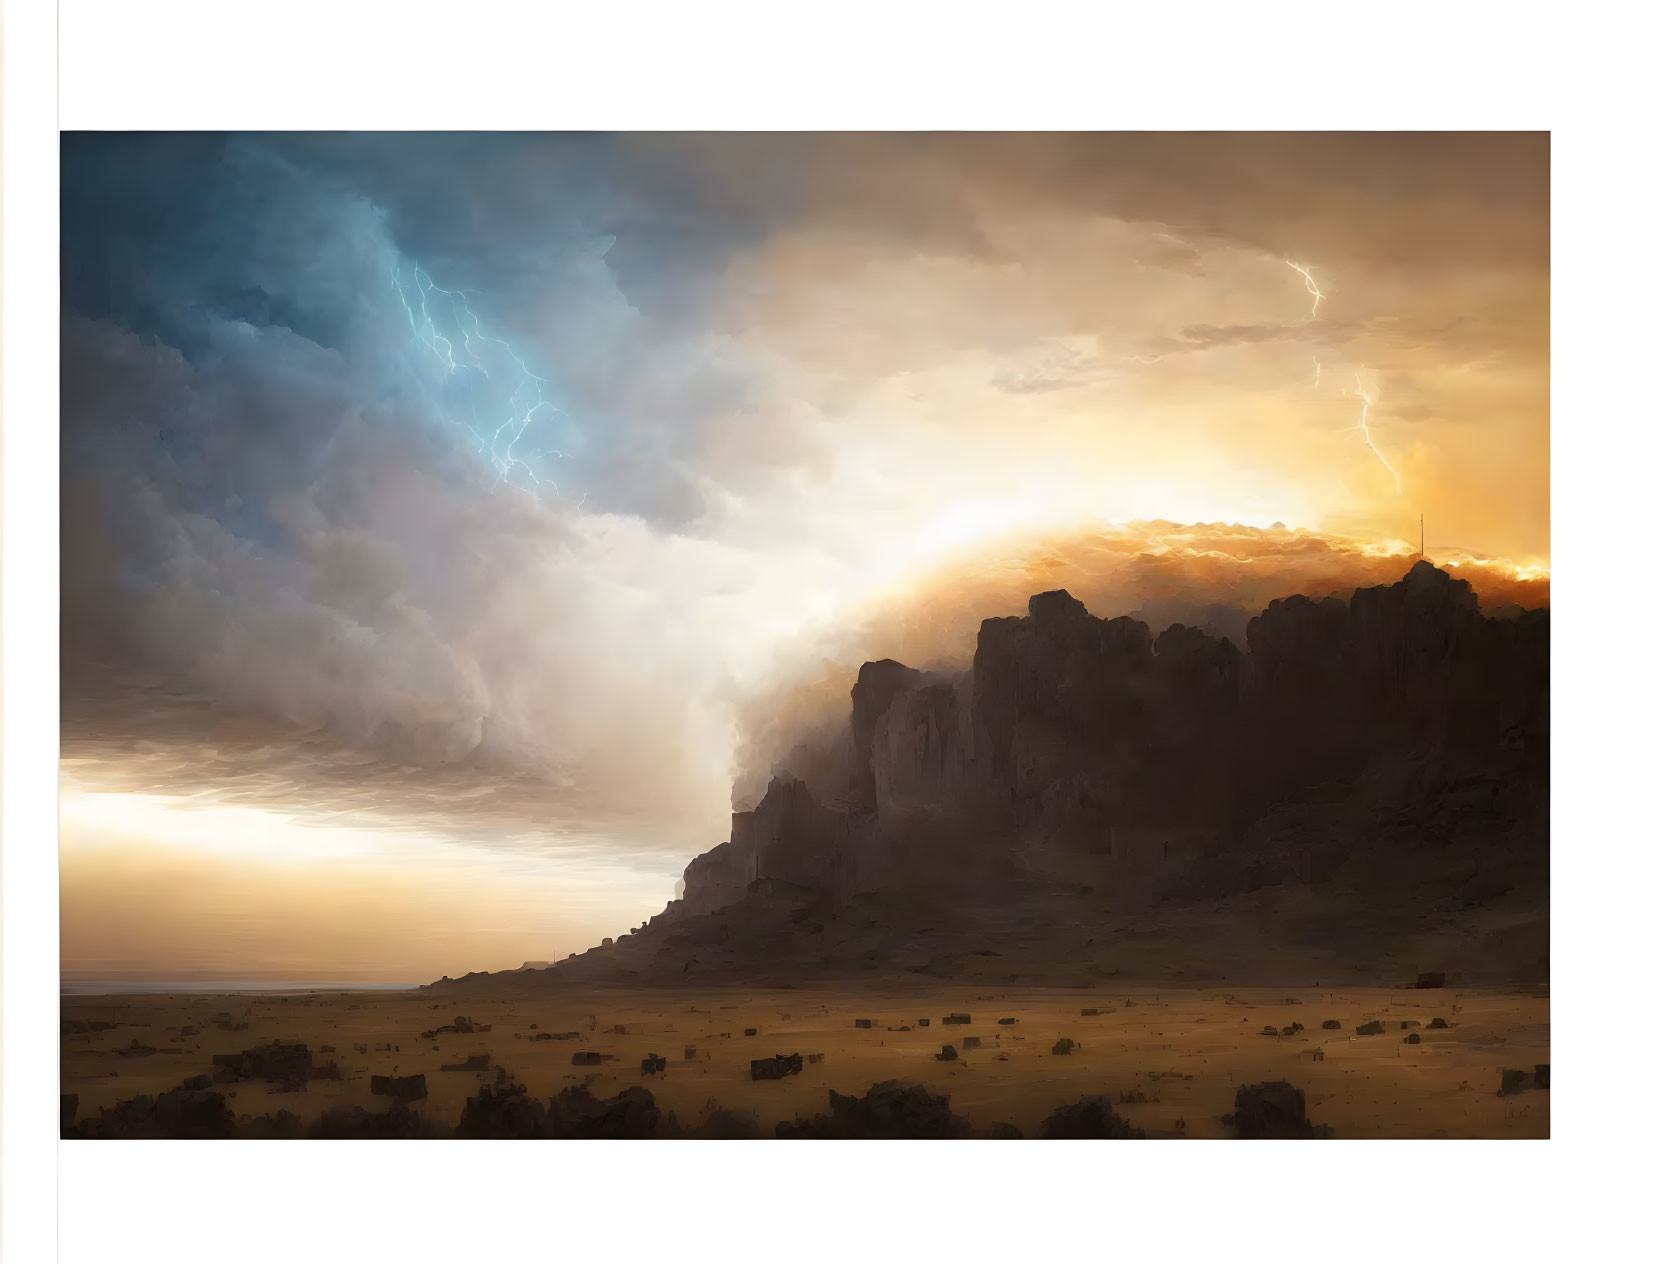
x,y
1360,794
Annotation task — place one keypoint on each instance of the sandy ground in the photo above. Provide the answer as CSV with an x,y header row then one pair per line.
x,y
1184,1052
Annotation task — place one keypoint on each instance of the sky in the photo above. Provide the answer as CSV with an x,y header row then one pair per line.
x,y
456,527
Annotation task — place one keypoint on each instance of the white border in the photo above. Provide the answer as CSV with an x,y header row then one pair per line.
x,y
337,64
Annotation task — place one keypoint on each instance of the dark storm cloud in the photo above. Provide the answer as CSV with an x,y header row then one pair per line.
x,y
274,499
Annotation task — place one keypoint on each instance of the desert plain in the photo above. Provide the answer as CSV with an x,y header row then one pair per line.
x,y
1171,1060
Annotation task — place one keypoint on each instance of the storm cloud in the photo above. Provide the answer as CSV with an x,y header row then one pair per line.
x,y
490,483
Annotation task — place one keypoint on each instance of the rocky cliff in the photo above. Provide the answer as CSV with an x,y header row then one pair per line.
x,y
1367,781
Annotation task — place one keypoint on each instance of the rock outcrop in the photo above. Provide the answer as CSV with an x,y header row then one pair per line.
x,y
1394,748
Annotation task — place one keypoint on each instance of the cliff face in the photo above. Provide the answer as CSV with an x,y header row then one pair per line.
x,y
1393,748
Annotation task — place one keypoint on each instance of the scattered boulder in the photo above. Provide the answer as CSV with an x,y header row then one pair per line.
x,y
475,1062
1408,1022
1006,1022
1412,1038
1332,1024
749,1031
1374,1028
1438,1024
888,1111
923,1022
1063,1047
586,1057
948,1053
1512,1082
1089,1118
862,1022
1269,1030
971,1042
1089,1013
815,1057
954,1020
401,1088
505,1112
273,1061
195,1114
651,1064
776,1067
576,1113
1272,1111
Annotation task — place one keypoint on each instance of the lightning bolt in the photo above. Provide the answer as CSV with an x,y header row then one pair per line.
x,y
1367,402
1308,284
497,436
1317,380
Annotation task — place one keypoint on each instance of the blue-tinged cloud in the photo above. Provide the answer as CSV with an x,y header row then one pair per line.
x,y
497,466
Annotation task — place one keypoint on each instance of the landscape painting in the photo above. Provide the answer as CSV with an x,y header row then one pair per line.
x,y
805,635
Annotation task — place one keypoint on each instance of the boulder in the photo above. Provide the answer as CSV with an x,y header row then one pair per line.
x,y
1374,1028
1063,1047
274,1061
948,1053
184,1113
776,1067
1273,1110
503,1112
401,1088
888,1111
576,1113
1332,1024
1089,1118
